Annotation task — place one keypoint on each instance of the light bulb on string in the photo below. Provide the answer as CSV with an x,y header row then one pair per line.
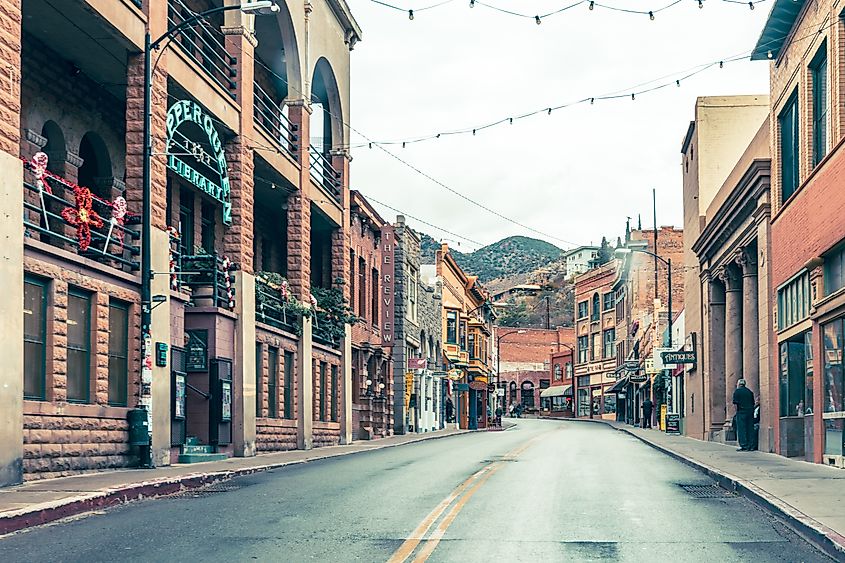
x,y
438,136
592,4
550,111
472,3
769,55
633,96
537,20
650,16
511,120
721,64
473,132
751,5
700,4
371,145
592,101
678,83
411,15
403,144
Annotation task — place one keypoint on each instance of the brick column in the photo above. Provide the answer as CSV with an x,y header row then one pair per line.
x,y
10,93
299,211
101,350
57,368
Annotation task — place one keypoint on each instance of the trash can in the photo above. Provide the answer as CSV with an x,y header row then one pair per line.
x,y
139,428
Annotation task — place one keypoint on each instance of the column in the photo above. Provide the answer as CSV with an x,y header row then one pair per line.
x,y
305,388
346,383
714,360
767,370
747,260
733,334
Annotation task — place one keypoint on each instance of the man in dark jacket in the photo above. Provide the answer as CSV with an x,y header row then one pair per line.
x,y
744,401
648,407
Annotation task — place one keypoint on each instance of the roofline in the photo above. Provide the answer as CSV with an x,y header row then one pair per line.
x,y
688,137
357,197
778,28
344,15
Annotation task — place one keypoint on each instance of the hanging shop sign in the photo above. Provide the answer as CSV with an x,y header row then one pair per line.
x,y
195,152
409,388
679,357
638,377
478,385
416,363
197,350
388,304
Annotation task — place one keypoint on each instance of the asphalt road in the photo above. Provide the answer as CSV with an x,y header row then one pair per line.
x,y
543,491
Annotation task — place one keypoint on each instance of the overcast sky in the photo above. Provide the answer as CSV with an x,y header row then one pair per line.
x,y
576,174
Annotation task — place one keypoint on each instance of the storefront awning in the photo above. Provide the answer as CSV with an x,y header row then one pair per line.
x,y
619,386
557,391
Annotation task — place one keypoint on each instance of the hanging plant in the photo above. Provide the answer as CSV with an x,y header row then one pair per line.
x,y
332,312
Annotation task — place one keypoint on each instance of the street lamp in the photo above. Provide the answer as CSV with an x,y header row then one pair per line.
x,y
668,264
256,7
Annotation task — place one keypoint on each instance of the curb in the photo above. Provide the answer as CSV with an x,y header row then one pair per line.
x,y
44,513
828,540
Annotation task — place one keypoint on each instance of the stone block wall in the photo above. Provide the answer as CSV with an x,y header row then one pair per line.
x,y
275,435
326,432
278,433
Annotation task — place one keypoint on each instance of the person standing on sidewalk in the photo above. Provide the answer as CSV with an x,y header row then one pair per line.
x,y
648,407
744,401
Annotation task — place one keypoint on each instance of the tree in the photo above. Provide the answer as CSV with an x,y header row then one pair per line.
x,y
515,315
605,253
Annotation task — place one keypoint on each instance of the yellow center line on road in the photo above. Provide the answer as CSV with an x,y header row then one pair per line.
x,y
462,494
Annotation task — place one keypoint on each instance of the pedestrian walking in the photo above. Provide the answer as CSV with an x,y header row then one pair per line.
x,y
648,407
498,416
744,401
450,408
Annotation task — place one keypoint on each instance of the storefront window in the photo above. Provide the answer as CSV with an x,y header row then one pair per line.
x,y
78,346
583,402
610,404
832,336
792,364
118,353
34,338
528,395
833,436
596,401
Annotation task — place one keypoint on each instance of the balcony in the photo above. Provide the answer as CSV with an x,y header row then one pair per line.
x,y
209,278
61,215
204,44
273,309
323,174
270,117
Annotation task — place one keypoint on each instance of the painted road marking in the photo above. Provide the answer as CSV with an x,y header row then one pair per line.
x,y
457,499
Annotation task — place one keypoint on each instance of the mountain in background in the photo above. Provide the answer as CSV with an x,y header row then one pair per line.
x,y
508,257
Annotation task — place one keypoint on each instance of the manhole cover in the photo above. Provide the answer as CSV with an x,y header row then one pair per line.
x,y
208,491
706,491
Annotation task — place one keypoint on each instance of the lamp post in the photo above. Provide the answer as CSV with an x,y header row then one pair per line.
x,y
668,264
499,358
257,7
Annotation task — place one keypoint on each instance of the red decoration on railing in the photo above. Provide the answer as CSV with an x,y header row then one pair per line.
x,y
230,293
39,167
118,212
174,236
83,217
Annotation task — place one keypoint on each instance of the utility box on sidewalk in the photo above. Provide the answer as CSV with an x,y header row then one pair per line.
x,y
139,427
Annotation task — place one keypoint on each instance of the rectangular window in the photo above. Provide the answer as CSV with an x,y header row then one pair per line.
x,y
352,294
376,296
78,346
362,288
834,270
583,349
288,384
412,294
792,364
610,343
788,122
472,351
34,338
334,394
323,393
259,377
451,327
794,299
463,335
582,310
207,228
596,350
272,382
608,301
818,69
186,221
118,353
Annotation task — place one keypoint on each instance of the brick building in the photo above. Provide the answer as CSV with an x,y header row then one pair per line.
x,y
371,255
804,43
250,210
595,329
557,400
522,362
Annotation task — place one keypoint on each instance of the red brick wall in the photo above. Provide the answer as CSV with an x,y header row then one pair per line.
x,y
364,245
533,346
326,433
811,222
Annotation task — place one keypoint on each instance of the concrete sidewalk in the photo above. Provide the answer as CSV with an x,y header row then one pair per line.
x,y
809,496
40,502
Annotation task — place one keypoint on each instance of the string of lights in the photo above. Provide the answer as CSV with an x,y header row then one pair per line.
x,y
538,18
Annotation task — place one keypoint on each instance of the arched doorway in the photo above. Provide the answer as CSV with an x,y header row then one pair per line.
x,y
527,395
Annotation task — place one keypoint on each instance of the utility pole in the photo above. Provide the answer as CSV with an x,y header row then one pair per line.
x,y
654,204
548,320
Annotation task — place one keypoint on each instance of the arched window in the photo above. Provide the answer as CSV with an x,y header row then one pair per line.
x,y
527,395
96,166
596,313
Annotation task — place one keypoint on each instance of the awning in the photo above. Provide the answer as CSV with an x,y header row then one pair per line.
x,y
619,386
557,391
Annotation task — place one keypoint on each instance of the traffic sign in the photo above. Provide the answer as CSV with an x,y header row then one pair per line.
x,y
681,357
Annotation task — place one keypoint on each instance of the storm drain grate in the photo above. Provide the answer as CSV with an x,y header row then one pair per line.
x,y
208,491
706,491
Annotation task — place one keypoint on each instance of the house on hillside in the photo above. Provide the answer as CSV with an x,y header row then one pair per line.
x,y
578,260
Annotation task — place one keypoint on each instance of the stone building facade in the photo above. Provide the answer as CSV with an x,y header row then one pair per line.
x,y
246,201
419,305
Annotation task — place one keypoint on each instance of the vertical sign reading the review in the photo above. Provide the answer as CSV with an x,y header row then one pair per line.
x,y
388,250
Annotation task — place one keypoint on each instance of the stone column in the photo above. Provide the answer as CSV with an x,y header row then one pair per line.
x,y
714,360
305,388
346,383
750,321
733,335
11,310
767,363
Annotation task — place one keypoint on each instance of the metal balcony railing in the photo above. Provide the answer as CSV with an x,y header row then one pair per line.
x,y
324,174
321,331
204,44
269,308
270,116
112,243
210,280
